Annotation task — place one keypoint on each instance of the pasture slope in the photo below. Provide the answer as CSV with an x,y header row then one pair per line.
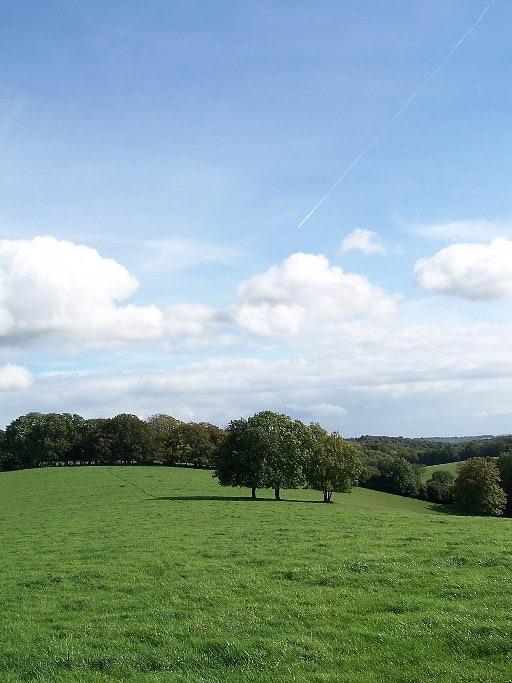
x,y
428,471
153,575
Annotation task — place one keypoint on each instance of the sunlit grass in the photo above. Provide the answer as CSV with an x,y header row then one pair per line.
x,y
444,467
158,574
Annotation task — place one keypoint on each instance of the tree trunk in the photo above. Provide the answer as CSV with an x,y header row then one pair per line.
x,y
327,496
277,491
253,493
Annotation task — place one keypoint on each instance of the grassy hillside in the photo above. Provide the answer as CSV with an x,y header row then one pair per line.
x,y
446,467
156,575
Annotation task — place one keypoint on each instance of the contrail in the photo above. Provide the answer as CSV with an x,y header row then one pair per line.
x,y
397,114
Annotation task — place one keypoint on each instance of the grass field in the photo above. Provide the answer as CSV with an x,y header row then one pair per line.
x,y
445,467
158,574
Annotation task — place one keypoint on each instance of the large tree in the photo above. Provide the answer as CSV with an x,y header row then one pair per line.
x,y
238,461
263,451
477,488
332,464
165,432
42,438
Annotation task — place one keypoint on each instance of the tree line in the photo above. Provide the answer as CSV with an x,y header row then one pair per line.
x,y
268,450
433,451
57,439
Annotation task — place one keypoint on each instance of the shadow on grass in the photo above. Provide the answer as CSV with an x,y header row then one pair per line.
x,y
445,509
245,499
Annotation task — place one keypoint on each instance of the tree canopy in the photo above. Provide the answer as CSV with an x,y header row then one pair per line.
x,y
263,451
477,488
270,450
331,464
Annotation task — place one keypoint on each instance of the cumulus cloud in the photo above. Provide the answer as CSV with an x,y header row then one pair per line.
x,y
55,289
15,378
304,292
50,286
363,240
473,271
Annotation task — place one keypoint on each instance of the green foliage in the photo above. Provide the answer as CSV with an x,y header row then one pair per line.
x,y
281,442
477,488
197,443
439,488
123,439
332,464
166,439
432,451
39,439
184,443
421,451
392,475
265,450
239,461
504,464
148,575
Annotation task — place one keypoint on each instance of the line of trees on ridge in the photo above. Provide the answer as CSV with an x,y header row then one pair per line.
x,y
270,450
57,439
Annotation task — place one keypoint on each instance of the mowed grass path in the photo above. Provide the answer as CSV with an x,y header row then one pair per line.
x,y
158,574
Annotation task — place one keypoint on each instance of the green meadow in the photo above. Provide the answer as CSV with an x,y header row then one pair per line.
x,y
444,467
149,574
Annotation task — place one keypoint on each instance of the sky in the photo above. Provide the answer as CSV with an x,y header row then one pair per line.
x,y
157,160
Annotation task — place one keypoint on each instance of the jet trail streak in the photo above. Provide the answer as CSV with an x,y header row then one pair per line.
x,y
397,114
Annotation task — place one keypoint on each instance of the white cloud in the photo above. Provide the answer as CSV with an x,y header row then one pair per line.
x,y
364,240
190,319
456,231
304,293
320,410
15,378
181,252
53,289
418,380
50,286
472,271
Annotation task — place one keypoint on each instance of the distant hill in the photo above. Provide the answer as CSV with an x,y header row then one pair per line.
x,y
432,450
459,439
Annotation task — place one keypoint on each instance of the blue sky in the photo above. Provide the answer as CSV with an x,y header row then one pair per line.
x,y
156,161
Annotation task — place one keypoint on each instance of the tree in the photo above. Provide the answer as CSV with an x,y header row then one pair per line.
x,y
117,440
38,439
130,439
439,488
95,447
197,443
282,442
265,450
332,464
477,488
400,477
392,475
504,464
166,438
238,461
